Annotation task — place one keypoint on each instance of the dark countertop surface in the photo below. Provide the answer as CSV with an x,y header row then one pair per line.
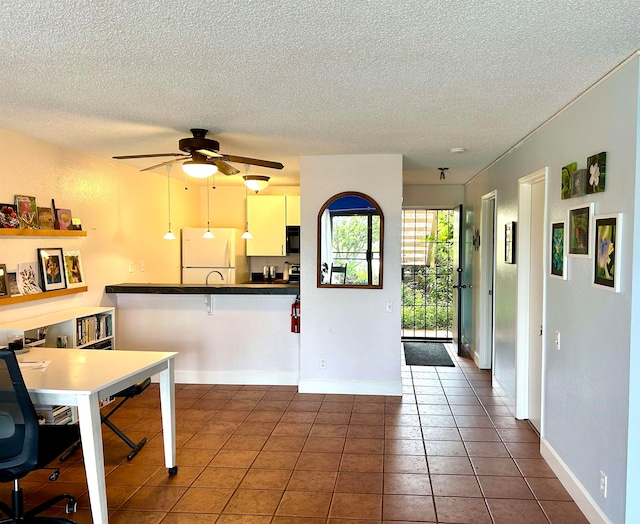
x,y
211,289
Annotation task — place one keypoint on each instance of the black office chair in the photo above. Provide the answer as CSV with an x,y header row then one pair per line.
x,y
26,445
125,395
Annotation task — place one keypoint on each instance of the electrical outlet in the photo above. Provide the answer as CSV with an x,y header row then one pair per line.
x,y
389,306
557,340
130,267
323,363
603,484
142,266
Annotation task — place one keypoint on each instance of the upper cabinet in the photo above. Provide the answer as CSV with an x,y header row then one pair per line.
x,y
293,210
269,216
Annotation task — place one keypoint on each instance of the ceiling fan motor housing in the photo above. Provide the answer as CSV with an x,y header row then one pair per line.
x,y
198,141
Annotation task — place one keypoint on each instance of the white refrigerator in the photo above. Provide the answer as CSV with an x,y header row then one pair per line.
x,y
223,258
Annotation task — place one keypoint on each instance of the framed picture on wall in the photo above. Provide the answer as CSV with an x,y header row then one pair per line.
x,y
4,282
558,251
579,230
73,268
510,242
51,265
606,269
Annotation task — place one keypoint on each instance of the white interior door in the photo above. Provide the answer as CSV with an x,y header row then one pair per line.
x,y
487,280
536,277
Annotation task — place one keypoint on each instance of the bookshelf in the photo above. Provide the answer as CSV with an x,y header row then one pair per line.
x,y
84,328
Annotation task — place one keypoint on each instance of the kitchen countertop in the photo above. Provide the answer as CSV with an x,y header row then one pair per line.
x,y
211,289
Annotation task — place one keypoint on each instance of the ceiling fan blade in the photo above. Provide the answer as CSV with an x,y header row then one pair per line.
x,y
164,163
225,168
209,153
123,157
254,161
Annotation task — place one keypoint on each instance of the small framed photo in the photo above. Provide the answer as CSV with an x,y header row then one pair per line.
x,y
51,264
510,242
606,270
4,282
12,279
558,251
579,233
63,219
73,269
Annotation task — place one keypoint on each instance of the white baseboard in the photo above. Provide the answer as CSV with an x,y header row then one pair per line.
x,y
346,387
580,495
236,377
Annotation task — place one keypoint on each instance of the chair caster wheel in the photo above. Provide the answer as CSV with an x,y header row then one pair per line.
x,y
172,471
71,507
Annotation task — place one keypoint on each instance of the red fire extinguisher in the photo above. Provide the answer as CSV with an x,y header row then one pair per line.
x,y
295,316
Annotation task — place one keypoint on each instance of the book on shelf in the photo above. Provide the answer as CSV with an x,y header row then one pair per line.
x,y
93,328
58,415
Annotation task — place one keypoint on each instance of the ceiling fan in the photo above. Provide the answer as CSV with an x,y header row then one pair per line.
x,y
201,157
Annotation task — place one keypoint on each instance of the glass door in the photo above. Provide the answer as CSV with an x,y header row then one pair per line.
x,y
427,273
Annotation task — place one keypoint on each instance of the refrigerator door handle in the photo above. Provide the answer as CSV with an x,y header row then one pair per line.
x,y
229,252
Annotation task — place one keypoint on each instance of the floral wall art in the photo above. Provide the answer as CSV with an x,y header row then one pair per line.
x,y
607,249
596,166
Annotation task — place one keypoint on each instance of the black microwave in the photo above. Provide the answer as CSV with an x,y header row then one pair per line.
x,y
293,239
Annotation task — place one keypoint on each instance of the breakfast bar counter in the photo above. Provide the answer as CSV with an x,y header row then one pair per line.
x,y
222,333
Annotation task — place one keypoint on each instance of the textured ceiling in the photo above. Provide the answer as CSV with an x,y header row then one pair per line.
x,y
277,80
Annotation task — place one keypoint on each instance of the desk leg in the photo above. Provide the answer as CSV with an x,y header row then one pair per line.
x,y
168,408
91,437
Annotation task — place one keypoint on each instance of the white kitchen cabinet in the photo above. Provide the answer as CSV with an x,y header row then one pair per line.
x,y
267,223
293,210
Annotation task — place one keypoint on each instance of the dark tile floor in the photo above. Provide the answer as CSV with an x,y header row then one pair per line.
x,y
447,451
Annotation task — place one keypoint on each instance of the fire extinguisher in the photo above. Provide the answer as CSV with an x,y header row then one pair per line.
x,y
295,316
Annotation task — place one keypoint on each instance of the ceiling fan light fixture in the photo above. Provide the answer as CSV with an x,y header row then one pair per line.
x,y
198,169
256,182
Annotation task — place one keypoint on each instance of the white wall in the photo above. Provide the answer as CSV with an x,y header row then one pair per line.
x,y
586,383
349,327
432,196
123,210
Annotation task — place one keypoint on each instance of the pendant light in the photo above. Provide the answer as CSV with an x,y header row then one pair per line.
x,y
208,234
256,182
246,233
442,170
169,235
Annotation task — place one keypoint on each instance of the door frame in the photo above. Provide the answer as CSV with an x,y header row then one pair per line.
x,y
486,321
523,259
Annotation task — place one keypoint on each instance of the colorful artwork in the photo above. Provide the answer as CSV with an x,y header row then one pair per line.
x,y
578,183
63,217
579,227
597,166
9,216
607,231
558,255
52,269
567,171
45,218
27,212
73,268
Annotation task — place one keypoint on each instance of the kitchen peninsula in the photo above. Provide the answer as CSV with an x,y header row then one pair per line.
x,y
223,333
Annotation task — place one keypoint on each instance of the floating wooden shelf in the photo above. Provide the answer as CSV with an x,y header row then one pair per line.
x,y
5,232
7,301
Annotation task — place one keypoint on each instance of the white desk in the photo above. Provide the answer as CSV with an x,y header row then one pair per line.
x,y
81,377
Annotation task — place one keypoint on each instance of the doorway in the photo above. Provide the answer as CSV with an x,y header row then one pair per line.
x,y
531,256
427,273
486,312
